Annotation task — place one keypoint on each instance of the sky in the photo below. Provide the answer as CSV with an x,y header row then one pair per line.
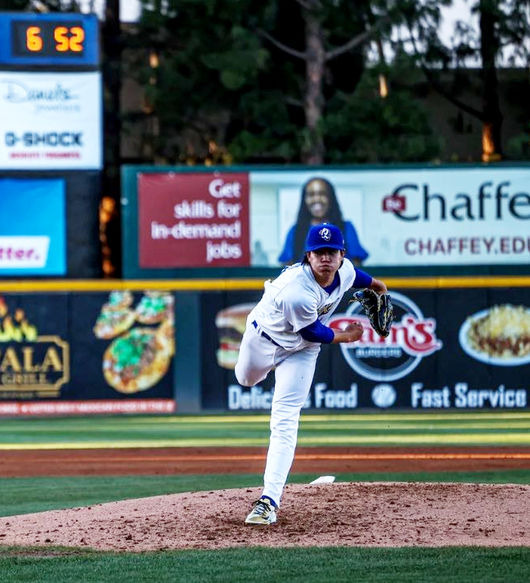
x,y
130,10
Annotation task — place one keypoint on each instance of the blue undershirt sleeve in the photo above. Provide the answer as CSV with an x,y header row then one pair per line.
x,y
362,279
317,332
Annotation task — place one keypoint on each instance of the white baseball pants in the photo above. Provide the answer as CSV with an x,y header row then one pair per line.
x,y
293,375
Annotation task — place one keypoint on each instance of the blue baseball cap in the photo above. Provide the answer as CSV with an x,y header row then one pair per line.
x,y
324,236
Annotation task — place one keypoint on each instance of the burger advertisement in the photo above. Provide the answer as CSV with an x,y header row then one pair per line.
x,y
230,323
448,349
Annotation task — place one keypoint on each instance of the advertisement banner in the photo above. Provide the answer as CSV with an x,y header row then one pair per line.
x,y
69,352
408,217
448,349
33,227
424,218
50,120
193,220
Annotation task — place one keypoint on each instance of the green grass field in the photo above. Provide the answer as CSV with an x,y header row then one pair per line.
x,y
341,565
413,429
56,565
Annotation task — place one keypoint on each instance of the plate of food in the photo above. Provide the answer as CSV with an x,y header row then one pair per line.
x,y
499,335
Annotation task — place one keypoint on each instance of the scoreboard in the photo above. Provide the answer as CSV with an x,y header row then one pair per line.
x,y
51,142
50,92
49,40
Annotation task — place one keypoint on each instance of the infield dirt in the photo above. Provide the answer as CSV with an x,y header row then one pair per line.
x,y
385,514
379,514
251,460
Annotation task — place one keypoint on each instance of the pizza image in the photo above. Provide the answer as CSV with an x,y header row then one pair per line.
x,y
119,300
112,322
154,307
166,333
137,360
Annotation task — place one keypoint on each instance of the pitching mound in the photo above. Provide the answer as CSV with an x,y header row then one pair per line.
x,y
340,514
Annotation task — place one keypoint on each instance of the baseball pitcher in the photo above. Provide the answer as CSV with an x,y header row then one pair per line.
x,y
284,332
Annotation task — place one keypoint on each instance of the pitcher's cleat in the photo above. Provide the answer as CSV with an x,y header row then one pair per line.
x,y
263,512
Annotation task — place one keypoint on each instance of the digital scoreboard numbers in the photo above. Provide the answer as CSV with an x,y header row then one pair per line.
x,y
49,40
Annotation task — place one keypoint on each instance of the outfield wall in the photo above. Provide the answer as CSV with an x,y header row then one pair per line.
x,y
148,346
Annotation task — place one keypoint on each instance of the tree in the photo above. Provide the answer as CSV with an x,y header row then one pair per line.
x,y
41,5
316,16
380,130
199,62
502,24
255,81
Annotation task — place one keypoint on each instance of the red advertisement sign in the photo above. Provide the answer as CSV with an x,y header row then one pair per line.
x,y
193,220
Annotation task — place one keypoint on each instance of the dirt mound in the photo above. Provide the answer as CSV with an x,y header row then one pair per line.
x,y
388,514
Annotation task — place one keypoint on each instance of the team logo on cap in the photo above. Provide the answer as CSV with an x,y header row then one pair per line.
x,y
325,233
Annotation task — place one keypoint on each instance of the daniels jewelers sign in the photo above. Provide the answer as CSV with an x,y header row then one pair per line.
x,y
193,220
50,120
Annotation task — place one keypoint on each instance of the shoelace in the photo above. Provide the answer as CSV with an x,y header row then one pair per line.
x,y
261,507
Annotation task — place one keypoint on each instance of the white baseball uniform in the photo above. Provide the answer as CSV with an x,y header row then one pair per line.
x,y
271,340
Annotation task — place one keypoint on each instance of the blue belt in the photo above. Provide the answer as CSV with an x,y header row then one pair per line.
x,y
265,335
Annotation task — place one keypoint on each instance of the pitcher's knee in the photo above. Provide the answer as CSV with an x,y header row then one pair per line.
x,y
245,378
244,381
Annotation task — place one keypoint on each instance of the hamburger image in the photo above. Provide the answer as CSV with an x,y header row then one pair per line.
x,y
231,323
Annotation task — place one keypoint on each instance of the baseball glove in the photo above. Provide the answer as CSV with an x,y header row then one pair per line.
x,y
378,309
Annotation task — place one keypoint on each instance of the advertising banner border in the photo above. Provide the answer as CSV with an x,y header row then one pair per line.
x,y
96,407
220,284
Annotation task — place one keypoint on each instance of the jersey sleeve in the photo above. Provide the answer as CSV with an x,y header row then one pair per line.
x,y
347,275
362,279
317,332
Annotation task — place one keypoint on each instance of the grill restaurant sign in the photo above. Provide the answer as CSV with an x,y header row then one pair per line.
x,y
479,357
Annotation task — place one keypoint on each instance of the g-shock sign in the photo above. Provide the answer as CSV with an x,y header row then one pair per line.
x,y
48,38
